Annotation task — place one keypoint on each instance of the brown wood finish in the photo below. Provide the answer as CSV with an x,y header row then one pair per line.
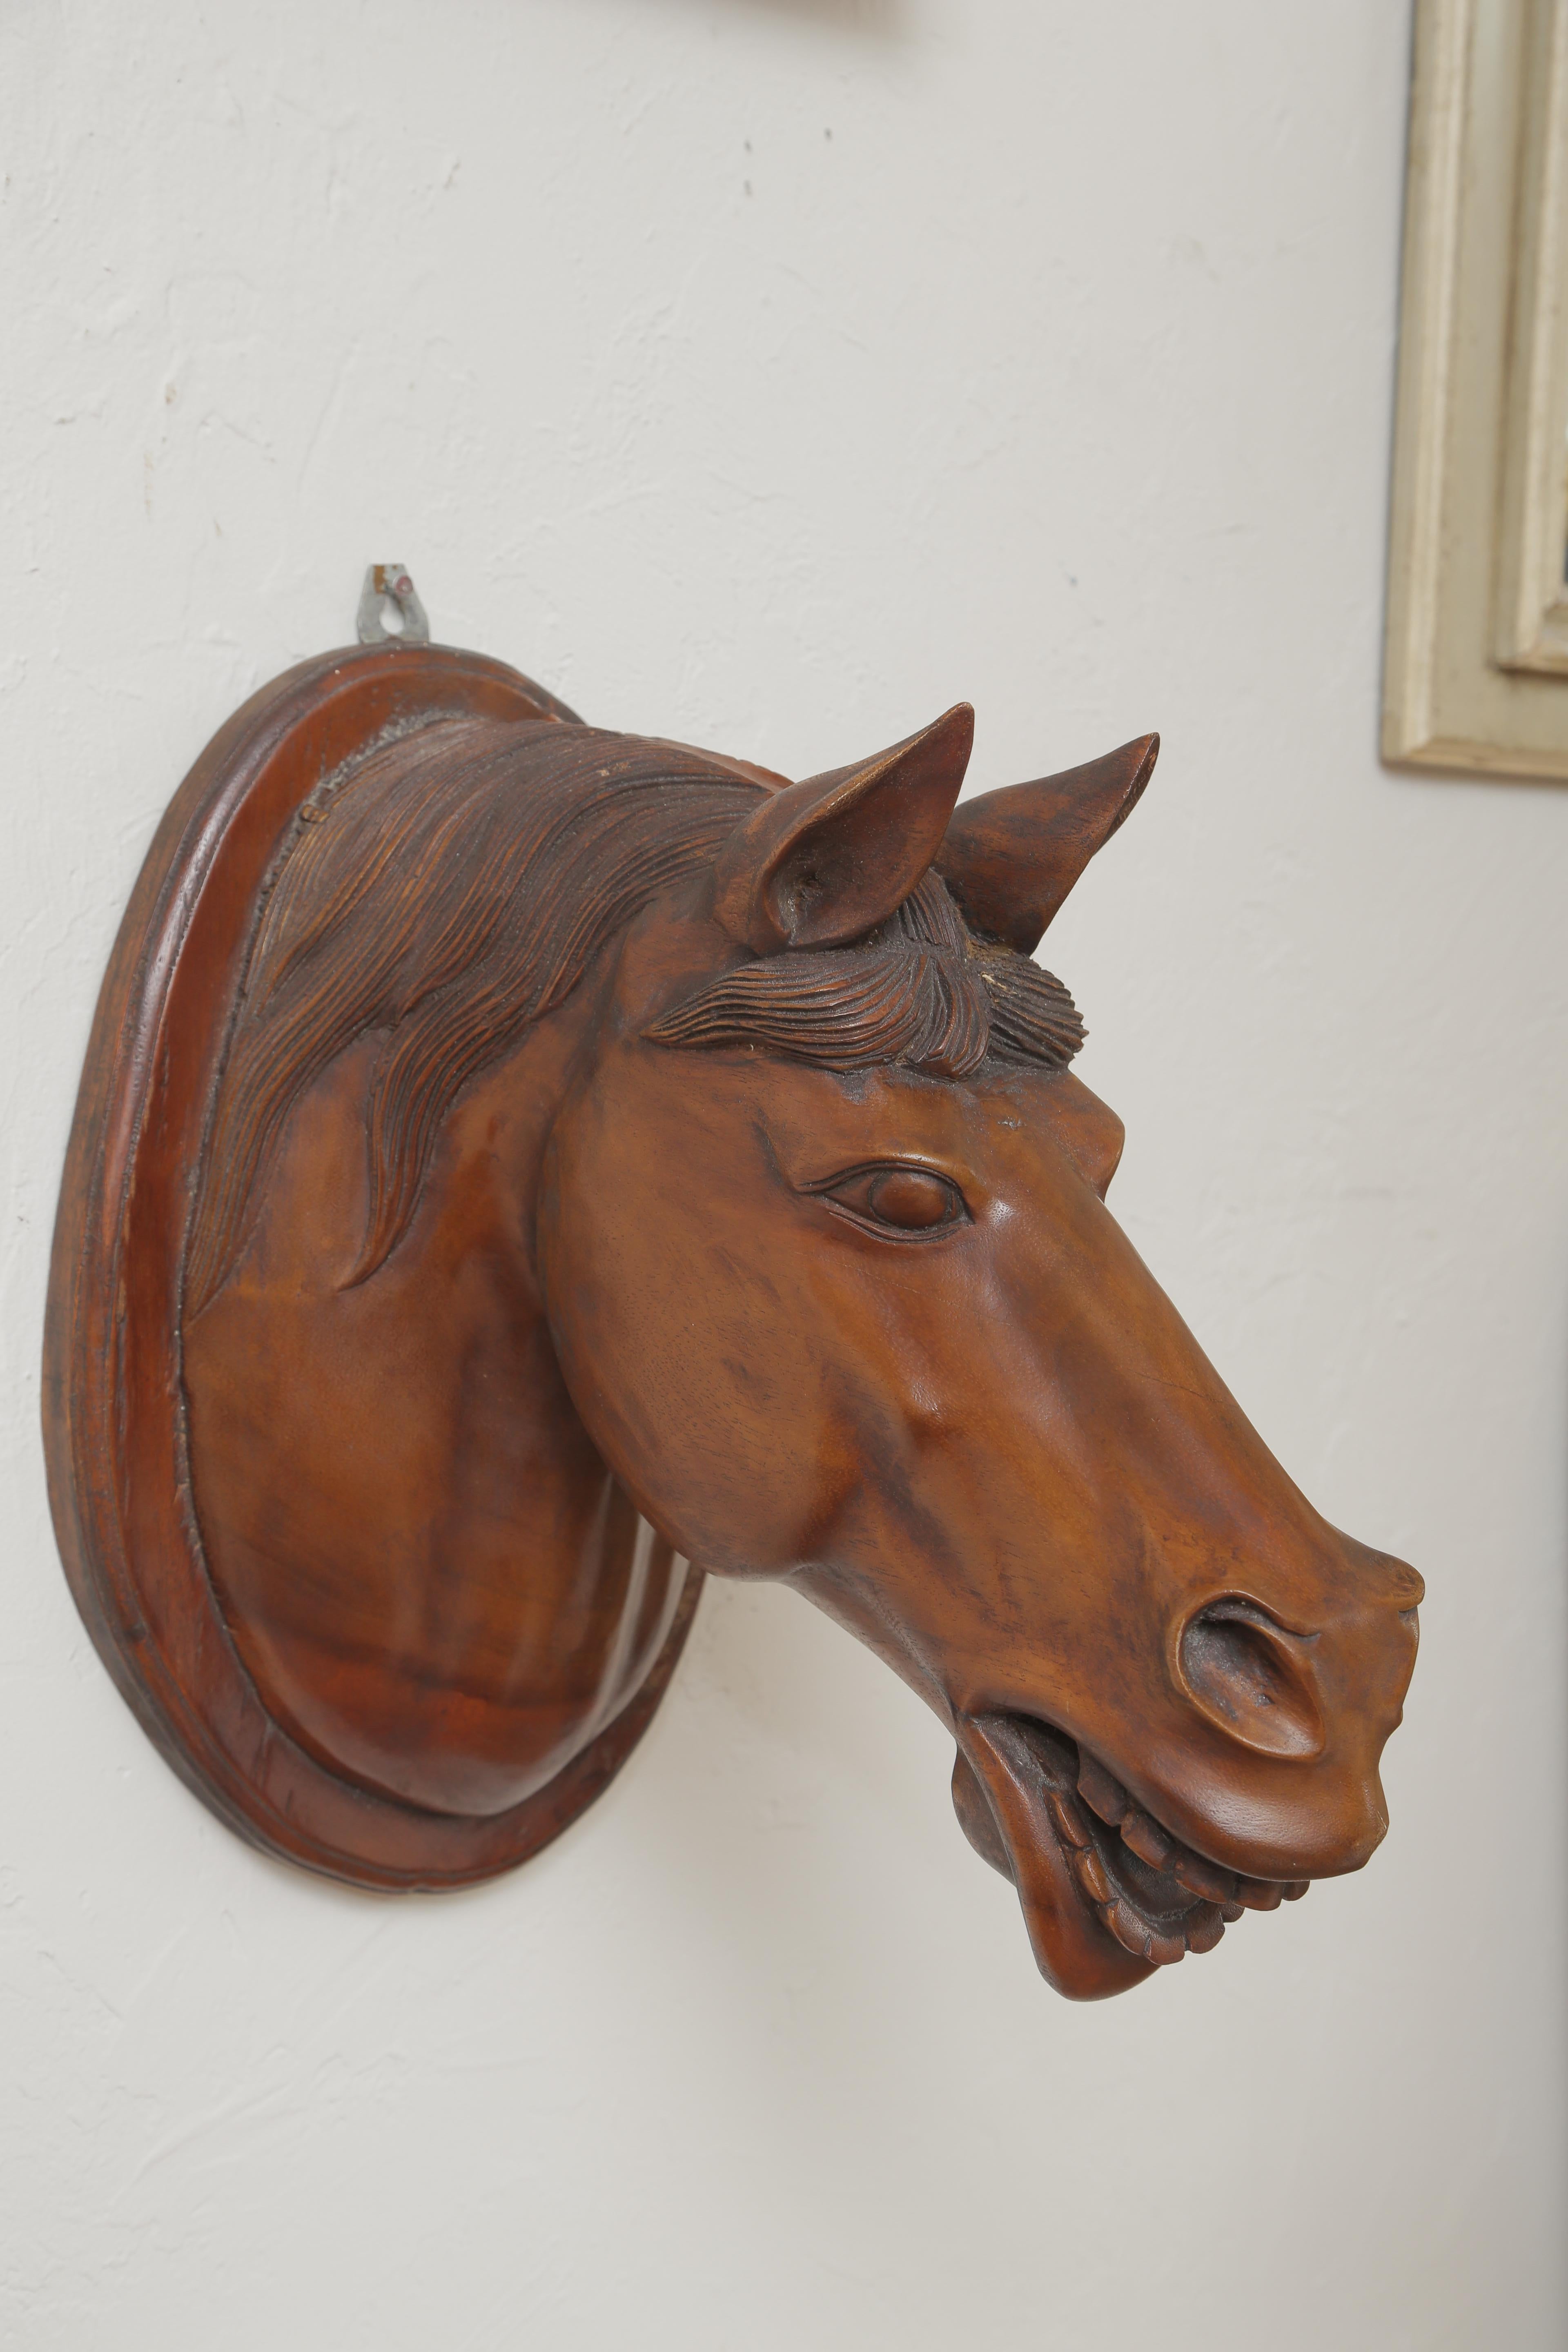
x,y
113,1413
516,1161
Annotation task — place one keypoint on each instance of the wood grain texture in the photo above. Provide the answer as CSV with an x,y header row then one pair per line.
x,y
518,1160
113,1406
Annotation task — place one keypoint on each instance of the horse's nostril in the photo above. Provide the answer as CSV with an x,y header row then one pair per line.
x,y
1245,1675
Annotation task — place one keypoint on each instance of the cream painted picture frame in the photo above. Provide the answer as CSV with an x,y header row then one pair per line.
x,y
1475,660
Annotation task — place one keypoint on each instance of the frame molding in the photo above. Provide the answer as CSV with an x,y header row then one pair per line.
x,y
1476,657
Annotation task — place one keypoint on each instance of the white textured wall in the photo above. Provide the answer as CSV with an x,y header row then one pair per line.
x,y
772,375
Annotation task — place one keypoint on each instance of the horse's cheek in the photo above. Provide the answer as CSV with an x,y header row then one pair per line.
x,y
658,1333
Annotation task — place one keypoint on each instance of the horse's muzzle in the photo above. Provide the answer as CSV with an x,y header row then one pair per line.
x,y
1115,1883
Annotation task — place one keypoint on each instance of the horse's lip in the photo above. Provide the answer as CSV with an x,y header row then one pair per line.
x,y
1148,1889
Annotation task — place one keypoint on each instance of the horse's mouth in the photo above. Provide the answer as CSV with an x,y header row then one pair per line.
x,y
1050,1817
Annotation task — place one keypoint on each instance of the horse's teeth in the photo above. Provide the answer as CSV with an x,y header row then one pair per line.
x,y
1095,1785
1205,1927
1200,1877
1068,1820
1128,1928
1092,1876
1225,1895
1147,1839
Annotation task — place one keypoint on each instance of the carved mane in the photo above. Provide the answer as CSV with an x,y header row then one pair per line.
x,y
396,1575
454,886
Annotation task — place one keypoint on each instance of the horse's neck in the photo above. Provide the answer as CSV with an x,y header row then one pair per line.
x,y
454,1596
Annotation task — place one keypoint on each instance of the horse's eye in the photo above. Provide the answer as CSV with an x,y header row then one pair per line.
x,y
904,1199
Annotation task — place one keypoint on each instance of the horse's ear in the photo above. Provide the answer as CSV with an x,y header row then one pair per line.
x,y
825,860
1011,858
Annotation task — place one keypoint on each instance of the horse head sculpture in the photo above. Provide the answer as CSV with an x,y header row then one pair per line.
x,y
624,1158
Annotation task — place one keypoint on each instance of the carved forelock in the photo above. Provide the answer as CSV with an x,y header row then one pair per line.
x,y
920,990
454,888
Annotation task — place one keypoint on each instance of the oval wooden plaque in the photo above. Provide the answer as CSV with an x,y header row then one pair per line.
x,y
113,1405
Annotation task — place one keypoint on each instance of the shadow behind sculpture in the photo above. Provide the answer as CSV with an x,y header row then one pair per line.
x,y
622,1158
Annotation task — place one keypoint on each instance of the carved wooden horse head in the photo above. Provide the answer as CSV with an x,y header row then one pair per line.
x,y
621,1157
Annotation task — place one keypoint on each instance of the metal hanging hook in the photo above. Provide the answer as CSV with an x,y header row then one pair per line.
x,y
390,584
